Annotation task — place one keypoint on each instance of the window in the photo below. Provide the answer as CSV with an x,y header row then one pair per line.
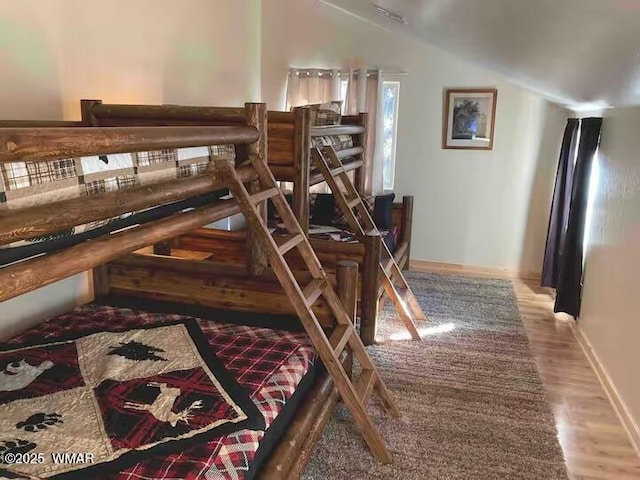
x,y
391,91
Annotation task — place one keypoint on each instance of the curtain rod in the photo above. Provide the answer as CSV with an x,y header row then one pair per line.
x,y
330,72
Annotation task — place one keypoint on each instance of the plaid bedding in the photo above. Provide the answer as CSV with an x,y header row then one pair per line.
x,y
26,184
269,364
339,142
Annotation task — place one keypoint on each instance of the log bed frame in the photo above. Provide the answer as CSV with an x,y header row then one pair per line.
x,y
118,271
289,135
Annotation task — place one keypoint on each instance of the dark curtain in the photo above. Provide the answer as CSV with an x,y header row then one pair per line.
x,y
569,284
559,218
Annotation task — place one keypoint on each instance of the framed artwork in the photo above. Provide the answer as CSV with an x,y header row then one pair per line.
x,y
469,118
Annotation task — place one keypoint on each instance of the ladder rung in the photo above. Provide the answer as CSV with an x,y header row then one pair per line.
x,y
313,290
336,171
287,243
389,265
340,337
264,195
365,384
353,202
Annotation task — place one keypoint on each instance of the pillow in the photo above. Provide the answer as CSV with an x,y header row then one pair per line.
x,y
329,113
323,208
382,208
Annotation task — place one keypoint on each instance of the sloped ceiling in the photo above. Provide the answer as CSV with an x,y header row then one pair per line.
x,y
584,54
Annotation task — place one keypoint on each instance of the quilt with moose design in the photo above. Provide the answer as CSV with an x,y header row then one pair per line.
x,y
116,397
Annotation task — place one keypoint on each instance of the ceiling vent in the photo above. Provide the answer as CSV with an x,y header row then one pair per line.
x,y
390,15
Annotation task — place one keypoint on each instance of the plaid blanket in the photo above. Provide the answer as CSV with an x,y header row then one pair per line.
x,y
27,184
268,364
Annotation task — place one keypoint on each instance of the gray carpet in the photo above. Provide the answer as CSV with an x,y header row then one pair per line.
x,y
473,404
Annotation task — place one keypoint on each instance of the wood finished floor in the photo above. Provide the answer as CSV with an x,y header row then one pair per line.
x,y
595,444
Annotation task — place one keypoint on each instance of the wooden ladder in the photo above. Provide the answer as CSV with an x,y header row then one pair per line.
x,y
400,293
304,297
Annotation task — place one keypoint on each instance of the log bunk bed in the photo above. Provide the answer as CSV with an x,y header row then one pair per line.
x,y
291,160
60,370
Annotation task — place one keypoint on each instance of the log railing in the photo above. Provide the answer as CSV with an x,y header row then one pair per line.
x,y
55,217
37,143
111,114
35,273
20,144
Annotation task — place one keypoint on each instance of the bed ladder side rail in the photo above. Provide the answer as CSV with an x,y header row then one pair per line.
x,y
395,284
303,297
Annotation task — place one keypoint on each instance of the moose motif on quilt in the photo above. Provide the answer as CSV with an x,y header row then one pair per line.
x,y
119,396
19,374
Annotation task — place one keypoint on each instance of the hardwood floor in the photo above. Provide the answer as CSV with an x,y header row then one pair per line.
x,y
594,441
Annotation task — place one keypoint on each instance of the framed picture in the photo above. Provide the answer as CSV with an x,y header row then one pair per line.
x,y
469,118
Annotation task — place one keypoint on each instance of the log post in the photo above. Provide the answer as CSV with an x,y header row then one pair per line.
x,y
405,225
369,289
88,118
362,180
256,114
301,165
101,286
347,280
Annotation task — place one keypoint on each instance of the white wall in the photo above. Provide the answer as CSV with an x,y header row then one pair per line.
x,y
474,208
55,52
610,313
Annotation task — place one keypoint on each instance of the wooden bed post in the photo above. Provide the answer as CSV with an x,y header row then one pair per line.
x,y
369,287
405,227
301,165
256,114
88,118
363,173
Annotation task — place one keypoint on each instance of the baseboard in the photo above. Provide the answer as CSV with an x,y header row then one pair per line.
x,y
616,400
459,269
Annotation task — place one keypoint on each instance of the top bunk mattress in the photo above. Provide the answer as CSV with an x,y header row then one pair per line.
x,y
338,142
95,381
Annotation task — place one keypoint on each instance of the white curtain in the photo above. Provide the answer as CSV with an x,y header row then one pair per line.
x,y
308,86
365,94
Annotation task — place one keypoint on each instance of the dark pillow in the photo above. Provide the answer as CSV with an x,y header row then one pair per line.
x,y
322,213
382,208
272,214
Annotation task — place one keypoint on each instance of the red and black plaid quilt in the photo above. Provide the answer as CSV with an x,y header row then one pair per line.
x,y
198,409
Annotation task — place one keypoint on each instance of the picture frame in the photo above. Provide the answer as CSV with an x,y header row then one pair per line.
x,y
468,121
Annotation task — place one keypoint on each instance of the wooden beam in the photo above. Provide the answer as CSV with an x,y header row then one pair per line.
x,y
361,175
256,116
275,116
25,276
301,166
86,113
204,283
370,284
337,130
227,115
22,144
50,218
38,123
